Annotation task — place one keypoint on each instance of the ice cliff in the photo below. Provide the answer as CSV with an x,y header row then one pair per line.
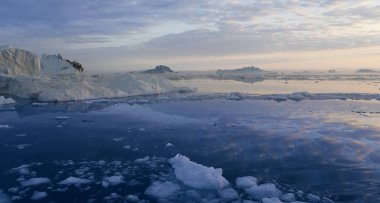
x,y
52,78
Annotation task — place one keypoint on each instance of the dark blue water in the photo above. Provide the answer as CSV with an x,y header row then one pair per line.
x,y
328,148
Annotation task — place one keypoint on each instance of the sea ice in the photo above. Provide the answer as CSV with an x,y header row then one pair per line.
x,y
38,195
169,144
4,198
313,198
35,181
74,181
228,194
271,200
288,197
114,180
162,190
142,160
264,190
4,126
246,182
196,175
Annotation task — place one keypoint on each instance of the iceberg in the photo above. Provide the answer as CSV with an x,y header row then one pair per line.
x,y
51,78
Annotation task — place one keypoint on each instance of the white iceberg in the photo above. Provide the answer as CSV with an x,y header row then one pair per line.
x,y
161,191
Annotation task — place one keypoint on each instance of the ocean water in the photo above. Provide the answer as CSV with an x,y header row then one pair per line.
x,y
283,86
329,148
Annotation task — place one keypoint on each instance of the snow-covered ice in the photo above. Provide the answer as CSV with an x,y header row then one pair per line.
x,y
196,175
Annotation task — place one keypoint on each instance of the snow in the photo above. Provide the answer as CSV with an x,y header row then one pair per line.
x,y
114,180
38,195
196,175
4,101
162,190
35,181
74,181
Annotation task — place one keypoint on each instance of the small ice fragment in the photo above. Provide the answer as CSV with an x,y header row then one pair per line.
x,y
62,117
142,160
4,198
73,181
141,129
35,181
127,147
246,182
133,198
326,200
313,198
288,197
5,126
264,190
162,190
118,139
228,194
169,144
38,195
114,180
21,135
4,101
196,175
271,200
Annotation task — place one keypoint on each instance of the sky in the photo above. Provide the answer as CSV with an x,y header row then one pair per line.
x,y
124,35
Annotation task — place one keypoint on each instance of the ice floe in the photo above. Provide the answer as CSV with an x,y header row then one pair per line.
x,y
161,191
5,101
35,181
74,181
38,195
196,175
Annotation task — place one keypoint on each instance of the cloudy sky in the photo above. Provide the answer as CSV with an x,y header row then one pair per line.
x,y
198,34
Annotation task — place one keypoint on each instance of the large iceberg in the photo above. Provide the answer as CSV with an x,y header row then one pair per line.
x,y
52,78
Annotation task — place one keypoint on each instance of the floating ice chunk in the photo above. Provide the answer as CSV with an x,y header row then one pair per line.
x,y
23,169
4,101
4,198
38,195
141,129
264,190
114,180
127,147
118,139
228,194
143,160
62,117
196,175
162,191
133,198
5,126
327,200
313,198
21,135
169,144
39,104
35,181
271,200
288,197
74,181
246,182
